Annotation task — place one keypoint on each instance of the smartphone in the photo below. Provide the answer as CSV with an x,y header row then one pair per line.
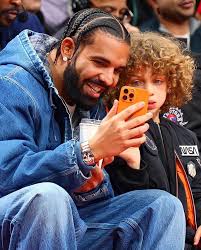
x,y
131,95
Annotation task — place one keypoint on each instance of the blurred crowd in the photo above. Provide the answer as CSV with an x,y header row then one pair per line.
x,y
179,18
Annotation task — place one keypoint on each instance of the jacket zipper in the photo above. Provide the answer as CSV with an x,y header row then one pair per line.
x,y
69,116
176,156
189,186
176,180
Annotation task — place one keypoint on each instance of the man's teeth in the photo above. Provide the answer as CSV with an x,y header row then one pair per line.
x,y
96,88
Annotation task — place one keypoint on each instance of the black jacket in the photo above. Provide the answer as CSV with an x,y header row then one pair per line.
x,y
158,165
191,112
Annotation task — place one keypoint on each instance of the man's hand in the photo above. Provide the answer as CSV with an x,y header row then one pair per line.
x,y
117,132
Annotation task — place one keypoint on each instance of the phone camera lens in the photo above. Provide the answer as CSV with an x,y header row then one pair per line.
x,y
131,95
126,91
124,97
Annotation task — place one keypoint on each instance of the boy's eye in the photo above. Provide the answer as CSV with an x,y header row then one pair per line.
x,y
158,81
137,83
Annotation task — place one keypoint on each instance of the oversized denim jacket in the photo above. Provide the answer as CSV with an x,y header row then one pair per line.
x,y
36,143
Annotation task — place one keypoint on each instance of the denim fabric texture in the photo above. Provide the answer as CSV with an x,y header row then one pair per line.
x,y
43,216
41,150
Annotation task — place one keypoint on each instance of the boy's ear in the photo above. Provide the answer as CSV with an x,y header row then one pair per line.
x,y
67,48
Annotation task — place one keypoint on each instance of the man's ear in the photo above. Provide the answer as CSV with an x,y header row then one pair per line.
x,y
67,48
153,4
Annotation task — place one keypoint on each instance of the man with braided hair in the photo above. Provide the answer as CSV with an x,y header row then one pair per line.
x,y
54,194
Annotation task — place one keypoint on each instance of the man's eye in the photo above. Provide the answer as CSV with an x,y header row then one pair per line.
x,y
118,71
107,9
100,63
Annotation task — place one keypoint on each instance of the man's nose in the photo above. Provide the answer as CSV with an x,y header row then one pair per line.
x,y
17,3
109,78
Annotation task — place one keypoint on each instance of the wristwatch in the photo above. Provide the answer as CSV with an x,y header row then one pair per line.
x,y
87,154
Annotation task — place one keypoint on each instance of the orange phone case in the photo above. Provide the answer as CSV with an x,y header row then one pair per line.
x,y
131,95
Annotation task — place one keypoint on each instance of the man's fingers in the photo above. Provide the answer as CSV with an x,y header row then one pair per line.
x,y
137,132
126,113
135,122
112,111
136,142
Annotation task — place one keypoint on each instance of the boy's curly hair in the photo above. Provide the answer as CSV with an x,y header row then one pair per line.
x,y
166,57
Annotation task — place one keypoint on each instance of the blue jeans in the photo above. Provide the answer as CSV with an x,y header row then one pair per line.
x,y
43,216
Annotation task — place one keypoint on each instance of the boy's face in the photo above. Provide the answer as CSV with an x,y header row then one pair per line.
x,y
156,84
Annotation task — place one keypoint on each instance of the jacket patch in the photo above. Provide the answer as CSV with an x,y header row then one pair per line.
x,y
175,115
191,169
187,150
150,143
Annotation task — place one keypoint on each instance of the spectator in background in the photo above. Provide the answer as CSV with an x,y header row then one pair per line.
x,y
175,17
34,6
198,11
141,10
14,19
117,8
56,15
9,11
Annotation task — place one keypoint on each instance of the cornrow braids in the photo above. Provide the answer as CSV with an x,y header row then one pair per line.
x,y
84,23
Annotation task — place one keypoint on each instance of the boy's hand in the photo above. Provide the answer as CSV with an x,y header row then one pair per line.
x,y
132,157
197,236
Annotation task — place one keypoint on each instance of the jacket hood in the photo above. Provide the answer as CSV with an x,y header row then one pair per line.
x,y
28,50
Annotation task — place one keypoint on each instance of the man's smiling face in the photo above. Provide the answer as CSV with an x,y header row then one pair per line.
x,y
95,69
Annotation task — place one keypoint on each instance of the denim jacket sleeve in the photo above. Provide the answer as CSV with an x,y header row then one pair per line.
x,y
22,160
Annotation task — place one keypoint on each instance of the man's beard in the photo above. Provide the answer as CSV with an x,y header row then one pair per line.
x,y
4,19
173,16
73,89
